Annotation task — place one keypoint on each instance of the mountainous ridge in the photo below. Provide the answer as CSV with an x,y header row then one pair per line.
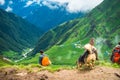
x,y
102,23
41,16
58,38
16,33
52,19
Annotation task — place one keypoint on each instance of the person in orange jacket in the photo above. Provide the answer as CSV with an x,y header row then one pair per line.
x,y
43,59
115,57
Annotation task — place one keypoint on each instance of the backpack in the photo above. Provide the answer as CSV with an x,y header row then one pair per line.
x,y
46,61
116,55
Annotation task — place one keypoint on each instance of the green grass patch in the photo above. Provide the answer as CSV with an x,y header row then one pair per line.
x,y
108,64
30,68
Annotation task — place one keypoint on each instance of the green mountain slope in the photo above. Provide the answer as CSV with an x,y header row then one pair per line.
x,y
56,36
65,43
4,62
16,34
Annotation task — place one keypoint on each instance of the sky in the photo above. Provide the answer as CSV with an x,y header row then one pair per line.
x,y
71,6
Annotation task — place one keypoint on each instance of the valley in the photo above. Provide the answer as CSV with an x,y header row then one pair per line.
x,y
61,35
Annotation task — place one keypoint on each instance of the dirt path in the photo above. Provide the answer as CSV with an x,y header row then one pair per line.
x,y
99,73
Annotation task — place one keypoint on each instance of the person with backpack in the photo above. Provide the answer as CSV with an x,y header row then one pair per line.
x,y
115,57
43,59
91,48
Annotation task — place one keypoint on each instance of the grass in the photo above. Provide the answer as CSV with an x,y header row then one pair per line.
x,y
108,64
5,63
68,55
30,68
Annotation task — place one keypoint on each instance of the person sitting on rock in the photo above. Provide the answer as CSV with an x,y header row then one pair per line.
x,y
43,59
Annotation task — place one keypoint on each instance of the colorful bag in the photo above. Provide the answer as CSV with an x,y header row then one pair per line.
x,y
116,55
46,61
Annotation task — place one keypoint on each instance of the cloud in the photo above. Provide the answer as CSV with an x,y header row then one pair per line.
x,y
71,6
8,9
78,5
2,2
24,17
50,5
37,1
10,2
29,3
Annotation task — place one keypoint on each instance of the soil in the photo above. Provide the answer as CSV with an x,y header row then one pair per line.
x,y
98,73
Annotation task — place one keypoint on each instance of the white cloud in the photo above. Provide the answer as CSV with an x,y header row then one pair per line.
x,y
29,3
8,9
2,2
10,2
78,5
24,17
49,4
37,1
70,5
